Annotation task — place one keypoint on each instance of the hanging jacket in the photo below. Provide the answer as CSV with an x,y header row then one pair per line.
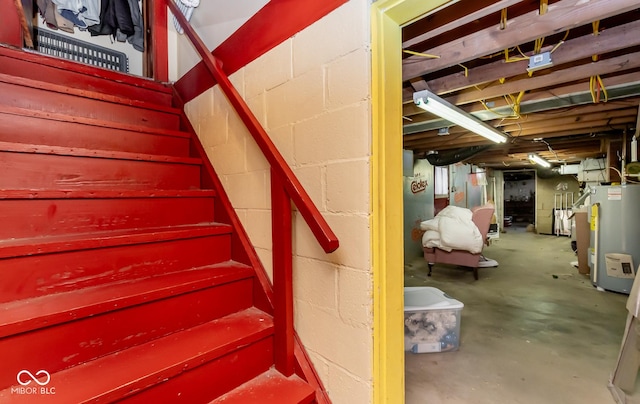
x,y
114,15
137,39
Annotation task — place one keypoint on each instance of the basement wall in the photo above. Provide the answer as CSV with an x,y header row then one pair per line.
x,y
312,95
548,193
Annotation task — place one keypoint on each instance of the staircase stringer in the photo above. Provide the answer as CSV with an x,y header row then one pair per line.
x,y
244,252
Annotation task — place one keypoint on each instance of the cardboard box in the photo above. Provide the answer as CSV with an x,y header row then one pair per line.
x,y
431,320
583,236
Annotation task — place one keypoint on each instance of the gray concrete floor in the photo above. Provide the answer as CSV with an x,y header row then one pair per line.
x,y
526,336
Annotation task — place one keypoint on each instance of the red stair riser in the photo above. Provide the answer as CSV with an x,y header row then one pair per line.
x,y
26,97
25,129
39,69
32,171
120,271
206,382
65,345
26,277
44,217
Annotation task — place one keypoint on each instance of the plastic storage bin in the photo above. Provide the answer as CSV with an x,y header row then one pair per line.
x,y
431,320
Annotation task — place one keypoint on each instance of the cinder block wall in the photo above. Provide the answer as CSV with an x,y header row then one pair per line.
x,y
546,191
312,95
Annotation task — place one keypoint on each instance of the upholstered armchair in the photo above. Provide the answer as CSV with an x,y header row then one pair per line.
x,y
481,217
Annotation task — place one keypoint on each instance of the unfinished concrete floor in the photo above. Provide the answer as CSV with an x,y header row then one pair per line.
x,y
527,336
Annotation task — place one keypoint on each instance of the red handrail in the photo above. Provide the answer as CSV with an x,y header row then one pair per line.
x,y
296,192
284,187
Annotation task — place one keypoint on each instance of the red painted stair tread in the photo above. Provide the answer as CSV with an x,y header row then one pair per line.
x,y
271,387
24,315
127,372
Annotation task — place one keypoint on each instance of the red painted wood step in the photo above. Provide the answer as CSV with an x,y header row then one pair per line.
x,y
86,241
271,387
41,266
86,338
104,154
30,314
71,74
22,125
52,167
114,277
84,93
240,341
25,216
31,94
212,379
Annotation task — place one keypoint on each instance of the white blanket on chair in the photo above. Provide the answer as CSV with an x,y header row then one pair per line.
x,y
452,229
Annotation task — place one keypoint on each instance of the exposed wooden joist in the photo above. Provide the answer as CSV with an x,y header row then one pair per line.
x,y
410,108
560,16
435,142
592,146
540,121
573,147
567,156
466,16
558,77
541,124
419,85
585,126
609,40
631,102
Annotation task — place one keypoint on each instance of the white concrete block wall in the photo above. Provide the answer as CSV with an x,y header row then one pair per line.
x,y
312,94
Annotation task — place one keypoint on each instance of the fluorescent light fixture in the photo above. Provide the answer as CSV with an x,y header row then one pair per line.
x,y
430,102
539,160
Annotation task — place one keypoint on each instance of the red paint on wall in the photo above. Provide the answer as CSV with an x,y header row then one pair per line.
x,y
277,21
10,30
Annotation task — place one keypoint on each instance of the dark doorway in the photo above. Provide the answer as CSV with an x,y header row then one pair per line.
x,y
519,198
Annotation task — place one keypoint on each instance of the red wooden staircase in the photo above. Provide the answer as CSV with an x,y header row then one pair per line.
x,y
122,274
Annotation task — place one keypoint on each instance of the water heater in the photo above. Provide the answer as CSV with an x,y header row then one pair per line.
x,y
615,236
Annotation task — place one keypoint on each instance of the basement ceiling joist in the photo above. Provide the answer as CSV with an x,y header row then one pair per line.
x,y
561,16
588,96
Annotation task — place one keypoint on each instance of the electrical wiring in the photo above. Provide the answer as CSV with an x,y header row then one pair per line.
x,y
504,116
503,19
493,55
566,35
509,59
426,55
595,82
499,114
556,46
540,41
548,147
595,86
503,25
617,171
516,136
466,70
521,52
514,103
596,32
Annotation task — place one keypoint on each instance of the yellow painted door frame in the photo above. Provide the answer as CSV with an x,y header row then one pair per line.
x,y
387,19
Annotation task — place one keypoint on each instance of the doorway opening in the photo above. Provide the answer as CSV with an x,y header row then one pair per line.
x,y
519,199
